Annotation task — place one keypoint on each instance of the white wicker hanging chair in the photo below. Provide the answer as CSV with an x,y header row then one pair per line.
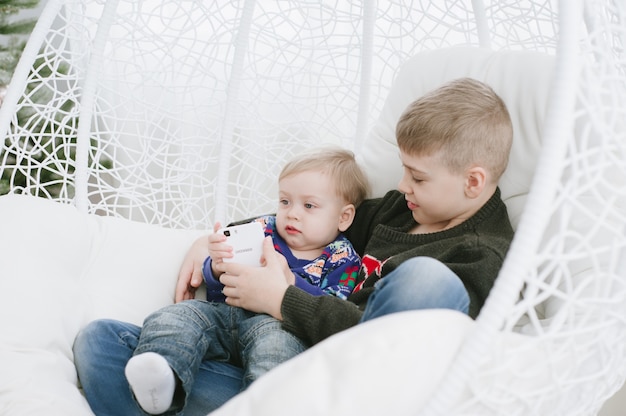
x,y
180,113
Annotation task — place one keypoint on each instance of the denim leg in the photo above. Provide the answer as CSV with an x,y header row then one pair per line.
x,y
101,351
418,283
264,345
185,334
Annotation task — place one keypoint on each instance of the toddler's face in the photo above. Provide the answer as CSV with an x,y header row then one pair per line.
x,y
309,211
435,196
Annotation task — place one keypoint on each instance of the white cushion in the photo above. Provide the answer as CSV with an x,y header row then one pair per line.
x,y
404,356
59,270
403,361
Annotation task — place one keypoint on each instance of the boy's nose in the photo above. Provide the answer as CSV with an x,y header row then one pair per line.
x,y
401,185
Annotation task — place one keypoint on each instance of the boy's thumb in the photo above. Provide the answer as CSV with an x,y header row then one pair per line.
x,y
268,250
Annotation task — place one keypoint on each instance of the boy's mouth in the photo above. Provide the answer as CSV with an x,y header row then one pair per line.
x,y
411,205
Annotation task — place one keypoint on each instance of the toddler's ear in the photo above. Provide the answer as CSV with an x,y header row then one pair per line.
x,y
475,181
346,217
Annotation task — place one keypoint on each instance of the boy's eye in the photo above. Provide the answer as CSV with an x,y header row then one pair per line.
x,y
283,202
417,180
308,205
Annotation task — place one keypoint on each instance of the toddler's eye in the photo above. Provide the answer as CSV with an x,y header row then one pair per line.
x,y
308,206
283,202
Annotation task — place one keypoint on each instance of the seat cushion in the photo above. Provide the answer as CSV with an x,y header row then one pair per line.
x,y
59,270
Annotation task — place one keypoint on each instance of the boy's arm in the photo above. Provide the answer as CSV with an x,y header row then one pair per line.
x,y
315,318
267,290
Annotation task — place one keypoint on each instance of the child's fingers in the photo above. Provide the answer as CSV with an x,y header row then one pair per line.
x,y
216,238
220,251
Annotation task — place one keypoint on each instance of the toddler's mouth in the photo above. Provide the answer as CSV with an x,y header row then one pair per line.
x,y
291,230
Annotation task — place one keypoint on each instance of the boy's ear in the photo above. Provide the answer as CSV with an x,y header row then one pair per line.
x,y
346,217
475,181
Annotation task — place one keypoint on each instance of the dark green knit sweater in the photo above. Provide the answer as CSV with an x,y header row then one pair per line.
x,y
474,250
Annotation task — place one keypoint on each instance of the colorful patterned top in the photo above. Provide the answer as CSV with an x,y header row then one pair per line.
x,y
334,272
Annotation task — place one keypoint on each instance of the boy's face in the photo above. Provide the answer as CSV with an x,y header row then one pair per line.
x,y
435,196
310,214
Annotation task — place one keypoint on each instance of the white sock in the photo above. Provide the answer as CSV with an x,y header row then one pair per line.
x,y
152,381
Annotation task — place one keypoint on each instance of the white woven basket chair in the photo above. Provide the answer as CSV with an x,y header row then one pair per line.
x,y
137,124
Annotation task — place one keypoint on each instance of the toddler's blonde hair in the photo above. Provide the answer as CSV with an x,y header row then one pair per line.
x,y
350,182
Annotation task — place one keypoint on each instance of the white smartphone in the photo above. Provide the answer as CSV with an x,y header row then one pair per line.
x,y
247,242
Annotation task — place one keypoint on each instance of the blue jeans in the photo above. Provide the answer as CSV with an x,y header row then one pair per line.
x,y
418,283
103,347
190,332
101,351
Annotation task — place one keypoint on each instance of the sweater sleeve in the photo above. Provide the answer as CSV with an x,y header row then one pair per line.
x,y
213,286
315,318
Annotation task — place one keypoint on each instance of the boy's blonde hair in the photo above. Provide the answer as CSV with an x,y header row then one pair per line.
x,y
465,121
340,164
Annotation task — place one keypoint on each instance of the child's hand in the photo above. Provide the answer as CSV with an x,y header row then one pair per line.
x,y
258,289
218,249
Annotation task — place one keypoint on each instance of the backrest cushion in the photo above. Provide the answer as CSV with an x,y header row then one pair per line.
x,y
520,78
